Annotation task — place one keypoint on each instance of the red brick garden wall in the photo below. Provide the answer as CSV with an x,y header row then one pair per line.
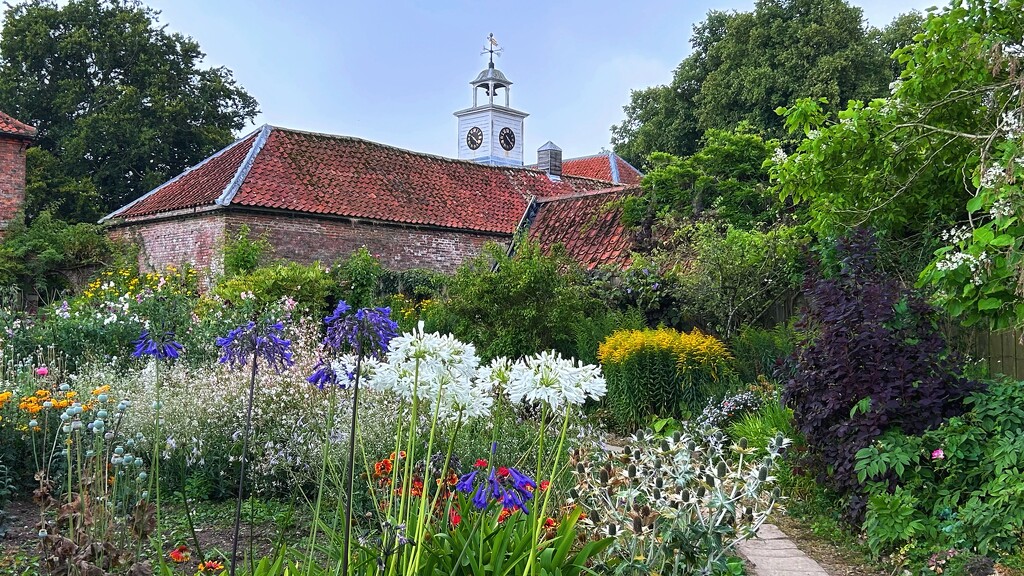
x,y
194,240
12,180
305,239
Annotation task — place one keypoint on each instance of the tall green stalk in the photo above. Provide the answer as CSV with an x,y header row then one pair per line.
x,y
241,472
350,471
315,526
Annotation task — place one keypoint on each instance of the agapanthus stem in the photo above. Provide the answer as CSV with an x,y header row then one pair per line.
x,y
315,526
241,472
350,472
547,494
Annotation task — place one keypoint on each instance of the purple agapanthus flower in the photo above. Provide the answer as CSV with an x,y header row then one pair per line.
x,y
162,347
263,340
323,375
511,489
465,483
365,333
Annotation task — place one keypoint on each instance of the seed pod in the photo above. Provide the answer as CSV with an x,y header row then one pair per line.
x,y
686,495
574,493
627,449
636,454
657,463
722,469
657,494
743,443
691,446
631,471
580,468
762,474
612,529
665,446
709,480
676,436
776,493
638,526
701,492
603,475
659,482
640,435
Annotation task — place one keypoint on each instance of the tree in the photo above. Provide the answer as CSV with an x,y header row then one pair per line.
x,y
746,64
121,104
942,153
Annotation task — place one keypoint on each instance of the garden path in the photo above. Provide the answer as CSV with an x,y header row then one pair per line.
x,y
772,553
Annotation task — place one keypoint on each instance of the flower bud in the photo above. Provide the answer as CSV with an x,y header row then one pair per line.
x,y
102,397
762,474
638,527
612,529
701,492
722,469
33,423
603,475
640,435
64,387
631,471
42,533
743,443
686,495
665,446
580,468
676,436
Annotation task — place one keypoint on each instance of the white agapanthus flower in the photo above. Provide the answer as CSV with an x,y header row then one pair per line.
x,y
556,381
439,370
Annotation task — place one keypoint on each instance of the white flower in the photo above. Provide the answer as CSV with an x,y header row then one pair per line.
x,y
549,378
779,156
992,175
1001,207
1011,124
813,134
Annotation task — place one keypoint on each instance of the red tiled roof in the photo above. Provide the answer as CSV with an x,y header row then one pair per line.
x,y
591,231
607,166
13,127
342,176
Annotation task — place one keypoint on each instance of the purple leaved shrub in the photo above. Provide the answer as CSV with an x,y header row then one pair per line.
x,y
869,358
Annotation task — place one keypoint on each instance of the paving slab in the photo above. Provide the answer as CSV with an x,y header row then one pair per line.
x,y
772,553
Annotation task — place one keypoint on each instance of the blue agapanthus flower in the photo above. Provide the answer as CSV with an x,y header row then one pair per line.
x,y
507,487
161,347
323,375
263,340
367,332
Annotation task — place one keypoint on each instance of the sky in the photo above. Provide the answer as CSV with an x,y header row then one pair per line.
x,y
394,71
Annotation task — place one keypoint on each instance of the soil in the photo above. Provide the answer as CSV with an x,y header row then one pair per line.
x,y
19,530
833,558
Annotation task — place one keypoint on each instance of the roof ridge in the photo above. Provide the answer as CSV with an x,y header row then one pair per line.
x,y
614,166
584,194
188,170
243,169
529,168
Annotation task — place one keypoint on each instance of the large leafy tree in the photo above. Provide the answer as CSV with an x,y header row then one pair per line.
x,y
939,163
746,64
121,104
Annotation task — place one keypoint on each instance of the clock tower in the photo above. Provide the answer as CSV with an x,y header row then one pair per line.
x,y
491,132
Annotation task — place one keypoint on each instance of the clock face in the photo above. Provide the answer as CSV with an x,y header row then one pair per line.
x,y
474,138
507,138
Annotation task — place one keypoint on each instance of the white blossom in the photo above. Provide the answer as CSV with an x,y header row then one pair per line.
x,y
779,156
556,381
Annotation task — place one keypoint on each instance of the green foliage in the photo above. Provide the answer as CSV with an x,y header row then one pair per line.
x,y
515,306
46,256
359,278
760,351
725,179
310,287
120,102
592,330
244,254
944,149
744,64
761,426
956,486
661,372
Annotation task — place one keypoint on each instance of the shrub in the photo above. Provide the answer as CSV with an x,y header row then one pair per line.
x,y
761,351
310,287
662,371
869,359
515,305
244,254
959,483
359,279
760,426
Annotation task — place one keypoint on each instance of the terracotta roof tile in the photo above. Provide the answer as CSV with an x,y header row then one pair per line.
x,y
13,127
607,166
343,176
591,231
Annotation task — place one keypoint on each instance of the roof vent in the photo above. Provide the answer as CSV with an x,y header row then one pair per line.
x,y
549,159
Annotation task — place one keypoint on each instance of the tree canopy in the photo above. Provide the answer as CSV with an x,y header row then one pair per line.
x,y
746,64
121,103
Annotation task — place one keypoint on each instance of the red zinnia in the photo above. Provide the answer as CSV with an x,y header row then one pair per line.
x,y
481,463
544,485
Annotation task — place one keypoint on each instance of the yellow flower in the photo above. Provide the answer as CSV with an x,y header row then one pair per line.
x,y
101,390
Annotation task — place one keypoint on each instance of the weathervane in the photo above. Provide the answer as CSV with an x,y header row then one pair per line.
x,y
492,48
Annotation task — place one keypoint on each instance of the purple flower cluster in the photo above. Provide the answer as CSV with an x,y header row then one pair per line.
x,y
366,333
262,340
161,347
506,486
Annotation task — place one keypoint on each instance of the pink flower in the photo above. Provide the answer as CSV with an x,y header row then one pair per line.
x,y
42,371
938,454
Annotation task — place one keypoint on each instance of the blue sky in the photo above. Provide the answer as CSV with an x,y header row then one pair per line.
x,y
394,71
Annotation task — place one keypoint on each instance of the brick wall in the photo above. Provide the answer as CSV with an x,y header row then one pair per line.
x,y
305,239
12,180
192,239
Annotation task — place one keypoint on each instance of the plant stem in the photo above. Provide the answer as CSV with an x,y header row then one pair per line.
x,y
241,473
320,485
350,472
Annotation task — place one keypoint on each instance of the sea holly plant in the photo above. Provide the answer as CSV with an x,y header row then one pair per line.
x,y
676,505
257,340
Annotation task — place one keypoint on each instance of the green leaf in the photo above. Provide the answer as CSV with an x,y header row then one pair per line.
x,y
989,304
974,204
1002,240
